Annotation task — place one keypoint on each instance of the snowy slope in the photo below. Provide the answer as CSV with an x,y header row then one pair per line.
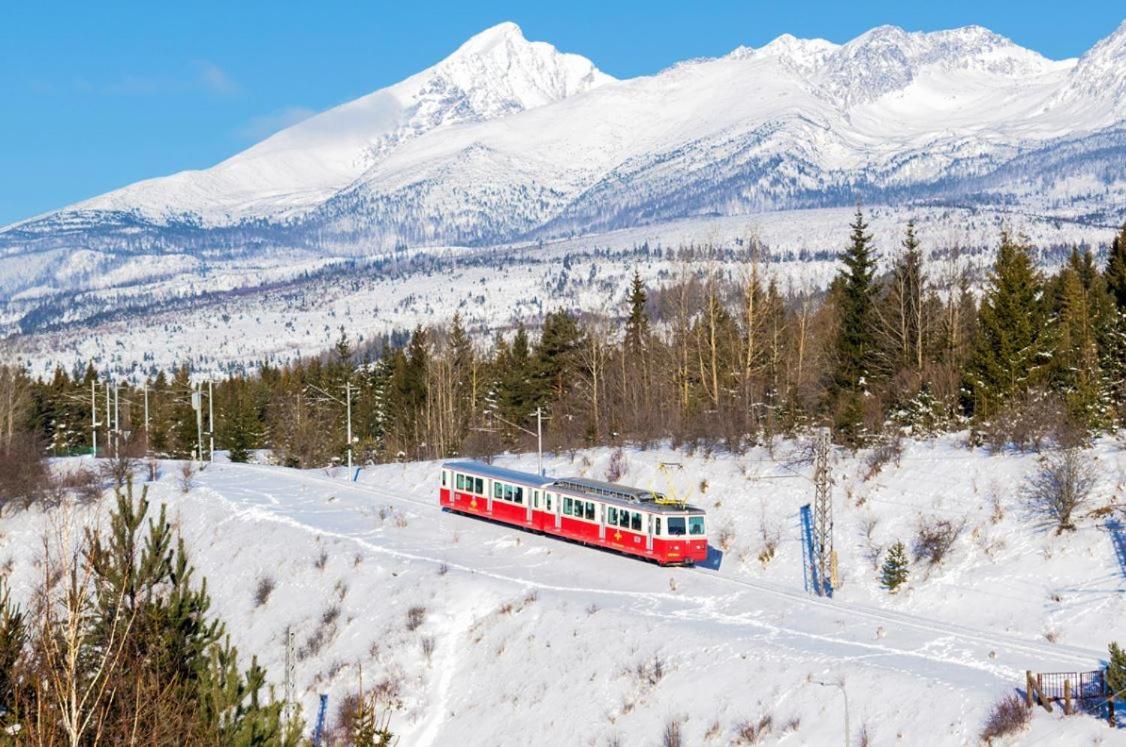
x,y
493,74
509,142
534,636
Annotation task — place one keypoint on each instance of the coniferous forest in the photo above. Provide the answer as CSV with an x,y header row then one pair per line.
x,y
703,360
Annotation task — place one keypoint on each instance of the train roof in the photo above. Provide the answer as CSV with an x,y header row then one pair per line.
x,y
620,494
623,495
499,473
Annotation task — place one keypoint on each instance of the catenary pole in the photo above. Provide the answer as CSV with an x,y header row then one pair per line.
x,y
348,399
94,419
211,419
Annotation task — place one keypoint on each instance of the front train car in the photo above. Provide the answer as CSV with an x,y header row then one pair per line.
x,y
628,520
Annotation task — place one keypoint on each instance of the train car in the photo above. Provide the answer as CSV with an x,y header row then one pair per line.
x,y
628,520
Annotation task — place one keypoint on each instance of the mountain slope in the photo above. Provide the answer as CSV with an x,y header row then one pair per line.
x,y
508,140
493,74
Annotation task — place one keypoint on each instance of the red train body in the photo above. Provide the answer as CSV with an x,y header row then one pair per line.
x,y
628,520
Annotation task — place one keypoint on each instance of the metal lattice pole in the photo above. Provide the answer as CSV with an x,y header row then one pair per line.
x,y
823,514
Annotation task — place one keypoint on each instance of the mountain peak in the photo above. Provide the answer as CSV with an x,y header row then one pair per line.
x,y
505,32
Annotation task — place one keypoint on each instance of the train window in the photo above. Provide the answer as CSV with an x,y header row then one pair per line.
x,y
612,516
676,526
635,522
567,506
461,482
535,499
623,520
657,528
696,525
443,478
498,490
590,511
508,492
548,500
519,494
480,487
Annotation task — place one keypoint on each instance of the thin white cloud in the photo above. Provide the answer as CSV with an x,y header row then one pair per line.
x,y
201,76
215,79
265,125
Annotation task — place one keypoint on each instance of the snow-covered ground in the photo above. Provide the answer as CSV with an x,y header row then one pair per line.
x,y
537,641
283,317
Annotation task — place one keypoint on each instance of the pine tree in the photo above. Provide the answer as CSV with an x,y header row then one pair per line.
x,y
1115,272
515,390
556,357
462,365
895,568
903,309
13,634
241,426
1010,342
855,343
637,323
1112,332
1078,315
1116,670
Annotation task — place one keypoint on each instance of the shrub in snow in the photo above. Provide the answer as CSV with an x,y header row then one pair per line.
x,y
187,475
1061,485
672,737
894,572
753,732
415,617
263,590
935,537
1009,715
618,466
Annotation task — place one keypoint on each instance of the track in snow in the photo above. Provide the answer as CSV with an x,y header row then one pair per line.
x,y
838,630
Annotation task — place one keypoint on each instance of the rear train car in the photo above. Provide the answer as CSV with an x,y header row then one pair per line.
x,y
628,520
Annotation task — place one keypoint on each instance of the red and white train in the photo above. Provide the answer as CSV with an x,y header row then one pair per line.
x,y
628,520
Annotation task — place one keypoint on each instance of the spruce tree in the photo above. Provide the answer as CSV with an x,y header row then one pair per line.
x,y
13,635
1010,343
1116,670
895,568
241,426
555,359
1077,317
637,323
1115,272
855,343
903,324
1112,332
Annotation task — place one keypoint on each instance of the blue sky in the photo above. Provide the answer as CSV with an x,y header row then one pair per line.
x,y
99,95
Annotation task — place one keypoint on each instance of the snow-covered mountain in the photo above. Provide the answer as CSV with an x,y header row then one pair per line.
x,y
494,74
509,141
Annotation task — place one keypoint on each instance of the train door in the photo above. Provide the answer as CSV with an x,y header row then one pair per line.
x,y
648,532
489,496
601,522
553,501
528,496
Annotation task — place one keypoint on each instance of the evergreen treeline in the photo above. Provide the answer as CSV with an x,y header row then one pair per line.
x,y
703,359
118,646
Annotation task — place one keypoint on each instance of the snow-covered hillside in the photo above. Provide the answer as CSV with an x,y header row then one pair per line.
x,y
216,324
515,634
509,143
509,139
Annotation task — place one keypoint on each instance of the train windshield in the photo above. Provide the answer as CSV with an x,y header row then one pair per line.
x,y
676,526
695,524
